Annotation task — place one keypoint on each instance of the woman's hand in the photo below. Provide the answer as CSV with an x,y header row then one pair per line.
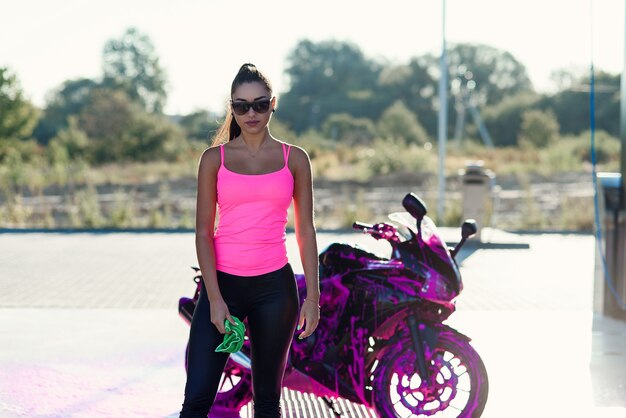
x,y
309,314
219,312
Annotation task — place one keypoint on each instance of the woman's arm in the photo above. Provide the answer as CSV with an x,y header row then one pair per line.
x,y
306,238
206,200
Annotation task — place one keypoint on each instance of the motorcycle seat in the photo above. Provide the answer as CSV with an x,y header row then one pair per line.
x,y
340,256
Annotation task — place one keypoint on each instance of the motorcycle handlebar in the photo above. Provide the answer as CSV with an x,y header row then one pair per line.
x,y
361,226
378,231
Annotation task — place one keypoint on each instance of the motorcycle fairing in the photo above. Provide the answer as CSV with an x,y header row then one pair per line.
x,y
354,306
434,265
351,305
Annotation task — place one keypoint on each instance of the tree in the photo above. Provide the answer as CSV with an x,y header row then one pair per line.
x,y
131,64
70,140
17,115
107,119
504,120
153,137
343,127
17,149
398,122
200,125
108,113
571,105
494,75
67,100
333,77
326,78
413,85
497,73
121,130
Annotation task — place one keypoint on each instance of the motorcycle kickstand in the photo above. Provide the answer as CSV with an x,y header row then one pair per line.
x,y
418,345
331,405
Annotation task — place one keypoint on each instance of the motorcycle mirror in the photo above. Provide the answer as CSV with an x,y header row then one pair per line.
x,y
415,206
469,228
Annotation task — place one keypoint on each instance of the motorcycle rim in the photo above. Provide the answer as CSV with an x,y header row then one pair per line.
x,y
234,390
457,386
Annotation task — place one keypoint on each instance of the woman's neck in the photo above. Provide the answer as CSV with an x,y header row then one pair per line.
x,y
255,141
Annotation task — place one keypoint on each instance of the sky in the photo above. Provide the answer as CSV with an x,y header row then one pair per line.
x,y
202,43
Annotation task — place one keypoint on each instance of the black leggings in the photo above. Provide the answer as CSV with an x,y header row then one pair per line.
x,y
270,302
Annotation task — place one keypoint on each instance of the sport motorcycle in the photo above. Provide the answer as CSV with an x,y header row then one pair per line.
x,y
381,340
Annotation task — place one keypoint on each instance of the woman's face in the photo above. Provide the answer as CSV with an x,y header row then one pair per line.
x,y
252,121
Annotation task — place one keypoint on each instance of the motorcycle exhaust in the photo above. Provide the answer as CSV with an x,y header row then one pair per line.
x,y
242,360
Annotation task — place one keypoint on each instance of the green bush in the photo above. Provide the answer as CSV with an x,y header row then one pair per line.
x,y
607,147
69,143
387,156
572,153
124,213
539,129
85,210
399,123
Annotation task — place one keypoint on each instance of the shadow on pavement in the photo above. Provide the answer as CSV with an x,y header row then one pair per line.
x,y
471,247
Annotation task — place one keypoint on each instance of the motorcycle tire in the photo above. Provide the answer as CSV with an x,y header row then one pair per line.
x,y
458,382
235,389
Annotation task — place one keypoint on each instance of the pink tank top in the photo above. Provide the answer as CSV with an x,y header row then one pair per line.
x,y
250,235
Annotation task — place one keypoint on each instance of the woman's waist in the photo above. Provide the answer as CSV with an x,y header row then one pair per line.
x,y
261,230
249,259
249,239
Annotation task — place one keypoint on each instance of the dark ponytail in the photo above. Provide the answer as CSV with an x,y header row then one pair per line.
x,y
248,73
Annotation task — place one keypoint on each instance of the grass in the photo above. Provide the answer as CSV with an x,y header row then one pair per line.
x,y
85,204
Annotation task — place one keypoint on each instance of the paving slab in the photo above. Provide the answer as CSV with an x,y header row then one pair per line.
x,y
89,327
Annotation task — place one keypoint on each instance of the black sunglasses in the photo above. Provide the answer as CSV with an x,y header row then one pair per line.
x,y
259,106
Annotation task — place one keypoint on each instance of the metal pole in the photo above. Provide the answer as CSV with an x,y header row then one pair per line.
x,y
443,118
622,119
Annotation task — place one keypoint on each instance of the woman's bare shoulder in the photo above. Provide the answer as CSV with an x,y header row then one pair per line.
x,y
299,161
211,157
298,153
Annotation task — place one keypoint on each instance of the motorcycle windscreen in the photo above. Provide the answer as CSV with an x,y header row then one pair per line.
x,y
432,261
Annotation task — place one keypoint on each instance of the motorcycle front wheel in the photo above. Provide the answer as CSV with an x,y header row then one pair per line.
x,y
457,386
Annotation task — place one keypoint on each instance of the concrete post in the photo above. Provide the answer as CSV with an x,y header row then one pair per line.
x,y
477,187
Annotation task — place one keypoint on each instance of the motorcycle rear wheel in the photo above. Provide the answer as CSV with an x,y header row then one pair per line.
x,y
235,390
458,384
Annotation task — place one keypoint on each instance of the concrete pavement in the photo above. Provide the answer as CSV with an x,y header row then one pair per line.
x,y
89,327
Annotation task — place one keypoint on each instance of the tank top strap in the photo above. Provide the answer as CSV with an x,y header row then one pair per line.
x,y
222,155
286,150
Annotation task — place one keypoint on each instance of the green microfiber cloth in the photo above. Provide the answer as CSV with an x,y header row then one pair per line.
x,y
233,339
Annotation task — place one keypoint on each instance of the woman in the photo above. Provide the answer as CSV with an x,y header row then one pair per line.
x,y
252,178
